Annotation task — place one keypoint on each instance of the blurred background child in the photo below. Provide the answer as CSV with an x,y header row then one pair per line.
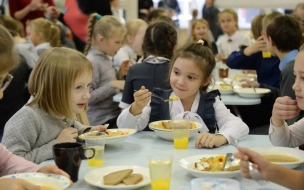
x,y
132,48
43,34
200,30
105,36
232,38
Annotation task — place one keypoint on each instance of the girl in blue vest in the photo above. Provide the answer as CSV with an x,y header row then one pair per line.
x,y
190,74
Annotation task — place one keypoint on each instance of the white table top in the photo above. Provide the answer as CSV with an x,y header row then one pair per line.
x,y
135,149
233,99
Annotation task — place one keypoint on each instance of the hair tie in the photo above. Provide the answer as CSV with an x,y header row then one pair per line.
x,y
52,26
200,42
98,16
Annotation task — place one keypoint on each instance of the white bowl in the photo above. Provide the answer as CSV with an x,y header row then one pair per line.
x,y
215,183
112,140
188,164
57,182
167,134
95,177
250,93
286,151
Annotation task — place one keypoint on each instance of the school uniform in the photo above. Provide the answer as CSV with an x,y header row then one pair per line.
x,y
228,44
152,73
207,109
102,108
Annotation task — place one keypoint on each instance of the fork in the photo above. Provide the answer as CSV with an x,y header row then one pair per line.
x,y
254,173
165,100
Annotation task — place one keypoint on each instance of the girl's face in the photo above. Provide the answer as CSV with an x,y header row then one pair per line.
x,y
2,77
186,78
200,31
112,45
32,36
137,40
80,92
228,24
298,86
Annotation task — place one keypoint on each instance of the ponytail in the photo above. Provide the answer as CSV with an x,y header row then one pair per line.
x,y
55,36
92,21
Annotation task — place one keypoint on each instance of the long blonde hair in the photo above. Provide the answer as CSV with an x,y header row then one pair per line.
x,y
132,28
9,58
52,78
104,26
50,31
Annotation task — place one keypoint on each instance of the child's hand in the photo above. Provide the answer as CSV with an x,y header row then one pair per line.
x,y
119,84
68,135
17,184
124,69
284,108
141,99
99,128
207,140
259,162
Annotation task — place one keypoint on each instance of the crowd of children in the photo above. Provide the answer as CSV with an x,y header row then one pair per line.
x,y
48,86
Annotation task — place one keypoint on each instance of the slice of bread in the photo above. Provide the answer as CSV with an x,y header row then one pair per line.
x,y
133,179
116,177
167,125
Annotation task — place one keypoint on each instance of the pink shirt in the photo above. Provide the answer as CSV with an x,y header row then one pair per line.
x,y
11,164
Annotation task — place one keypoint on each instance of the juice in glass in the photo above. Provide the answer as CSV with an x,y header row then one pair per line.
x,y
180,133
266,54
98,143
160,171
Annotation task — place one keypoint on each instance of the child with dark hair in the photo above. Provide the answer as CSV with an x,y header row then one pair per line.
x,y
283,38
189,75
158,46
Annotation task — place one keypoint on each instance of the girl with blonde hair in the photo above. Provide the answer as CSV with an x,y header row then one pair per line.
x,y
133,40
43,33
105,36
59,85
10,163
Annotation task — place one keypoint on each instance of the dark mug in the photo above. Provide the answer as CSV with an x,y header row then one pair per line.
x,y
68,157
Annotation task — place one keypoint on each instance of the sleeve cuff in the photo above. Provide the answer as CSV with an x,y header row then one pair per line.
x,y
280,129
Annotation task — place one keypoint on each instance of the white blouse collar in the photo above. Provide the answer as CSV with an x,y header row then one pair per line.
x,y
156,60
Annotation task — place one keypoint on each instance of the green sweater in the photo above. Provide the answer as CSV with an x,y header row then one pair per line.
x,y
31,133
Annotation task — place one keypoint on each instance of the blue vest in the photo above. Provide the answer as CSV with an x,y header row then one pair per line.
x,y
160,109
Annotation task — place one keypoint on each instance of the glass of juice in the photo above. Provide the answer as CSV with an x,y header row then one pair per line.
x,y
96,141
266,54
160,166
180,130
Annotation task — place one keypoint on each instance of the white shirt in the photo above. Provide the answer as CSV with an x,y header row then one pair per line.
x,y
288,136
229,125
124,53
228,44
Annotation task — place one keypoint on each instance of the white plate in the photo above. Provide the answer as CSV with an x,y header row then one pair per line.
x,y
167,133
57,182
215,184
95,177
250,93
293,152
112,140
188,164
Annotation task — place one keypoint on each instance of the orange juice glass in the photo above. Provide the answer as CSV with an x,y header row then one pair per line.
x,y
266,54
180,130
98,143
160,166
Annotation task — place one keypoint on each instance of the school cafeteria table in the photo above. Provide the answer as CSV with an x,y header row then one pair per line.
x,y
135,149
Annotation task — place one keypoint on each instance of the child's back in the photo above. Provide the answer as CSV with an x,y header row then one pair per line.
x,y
159,42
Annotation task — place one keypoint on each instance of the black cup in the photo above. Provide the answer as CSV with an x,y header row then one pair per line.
x,y
68,157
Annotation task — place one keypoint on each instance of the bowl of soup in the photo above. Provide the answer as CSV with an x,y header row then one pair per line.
x,y
283,156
